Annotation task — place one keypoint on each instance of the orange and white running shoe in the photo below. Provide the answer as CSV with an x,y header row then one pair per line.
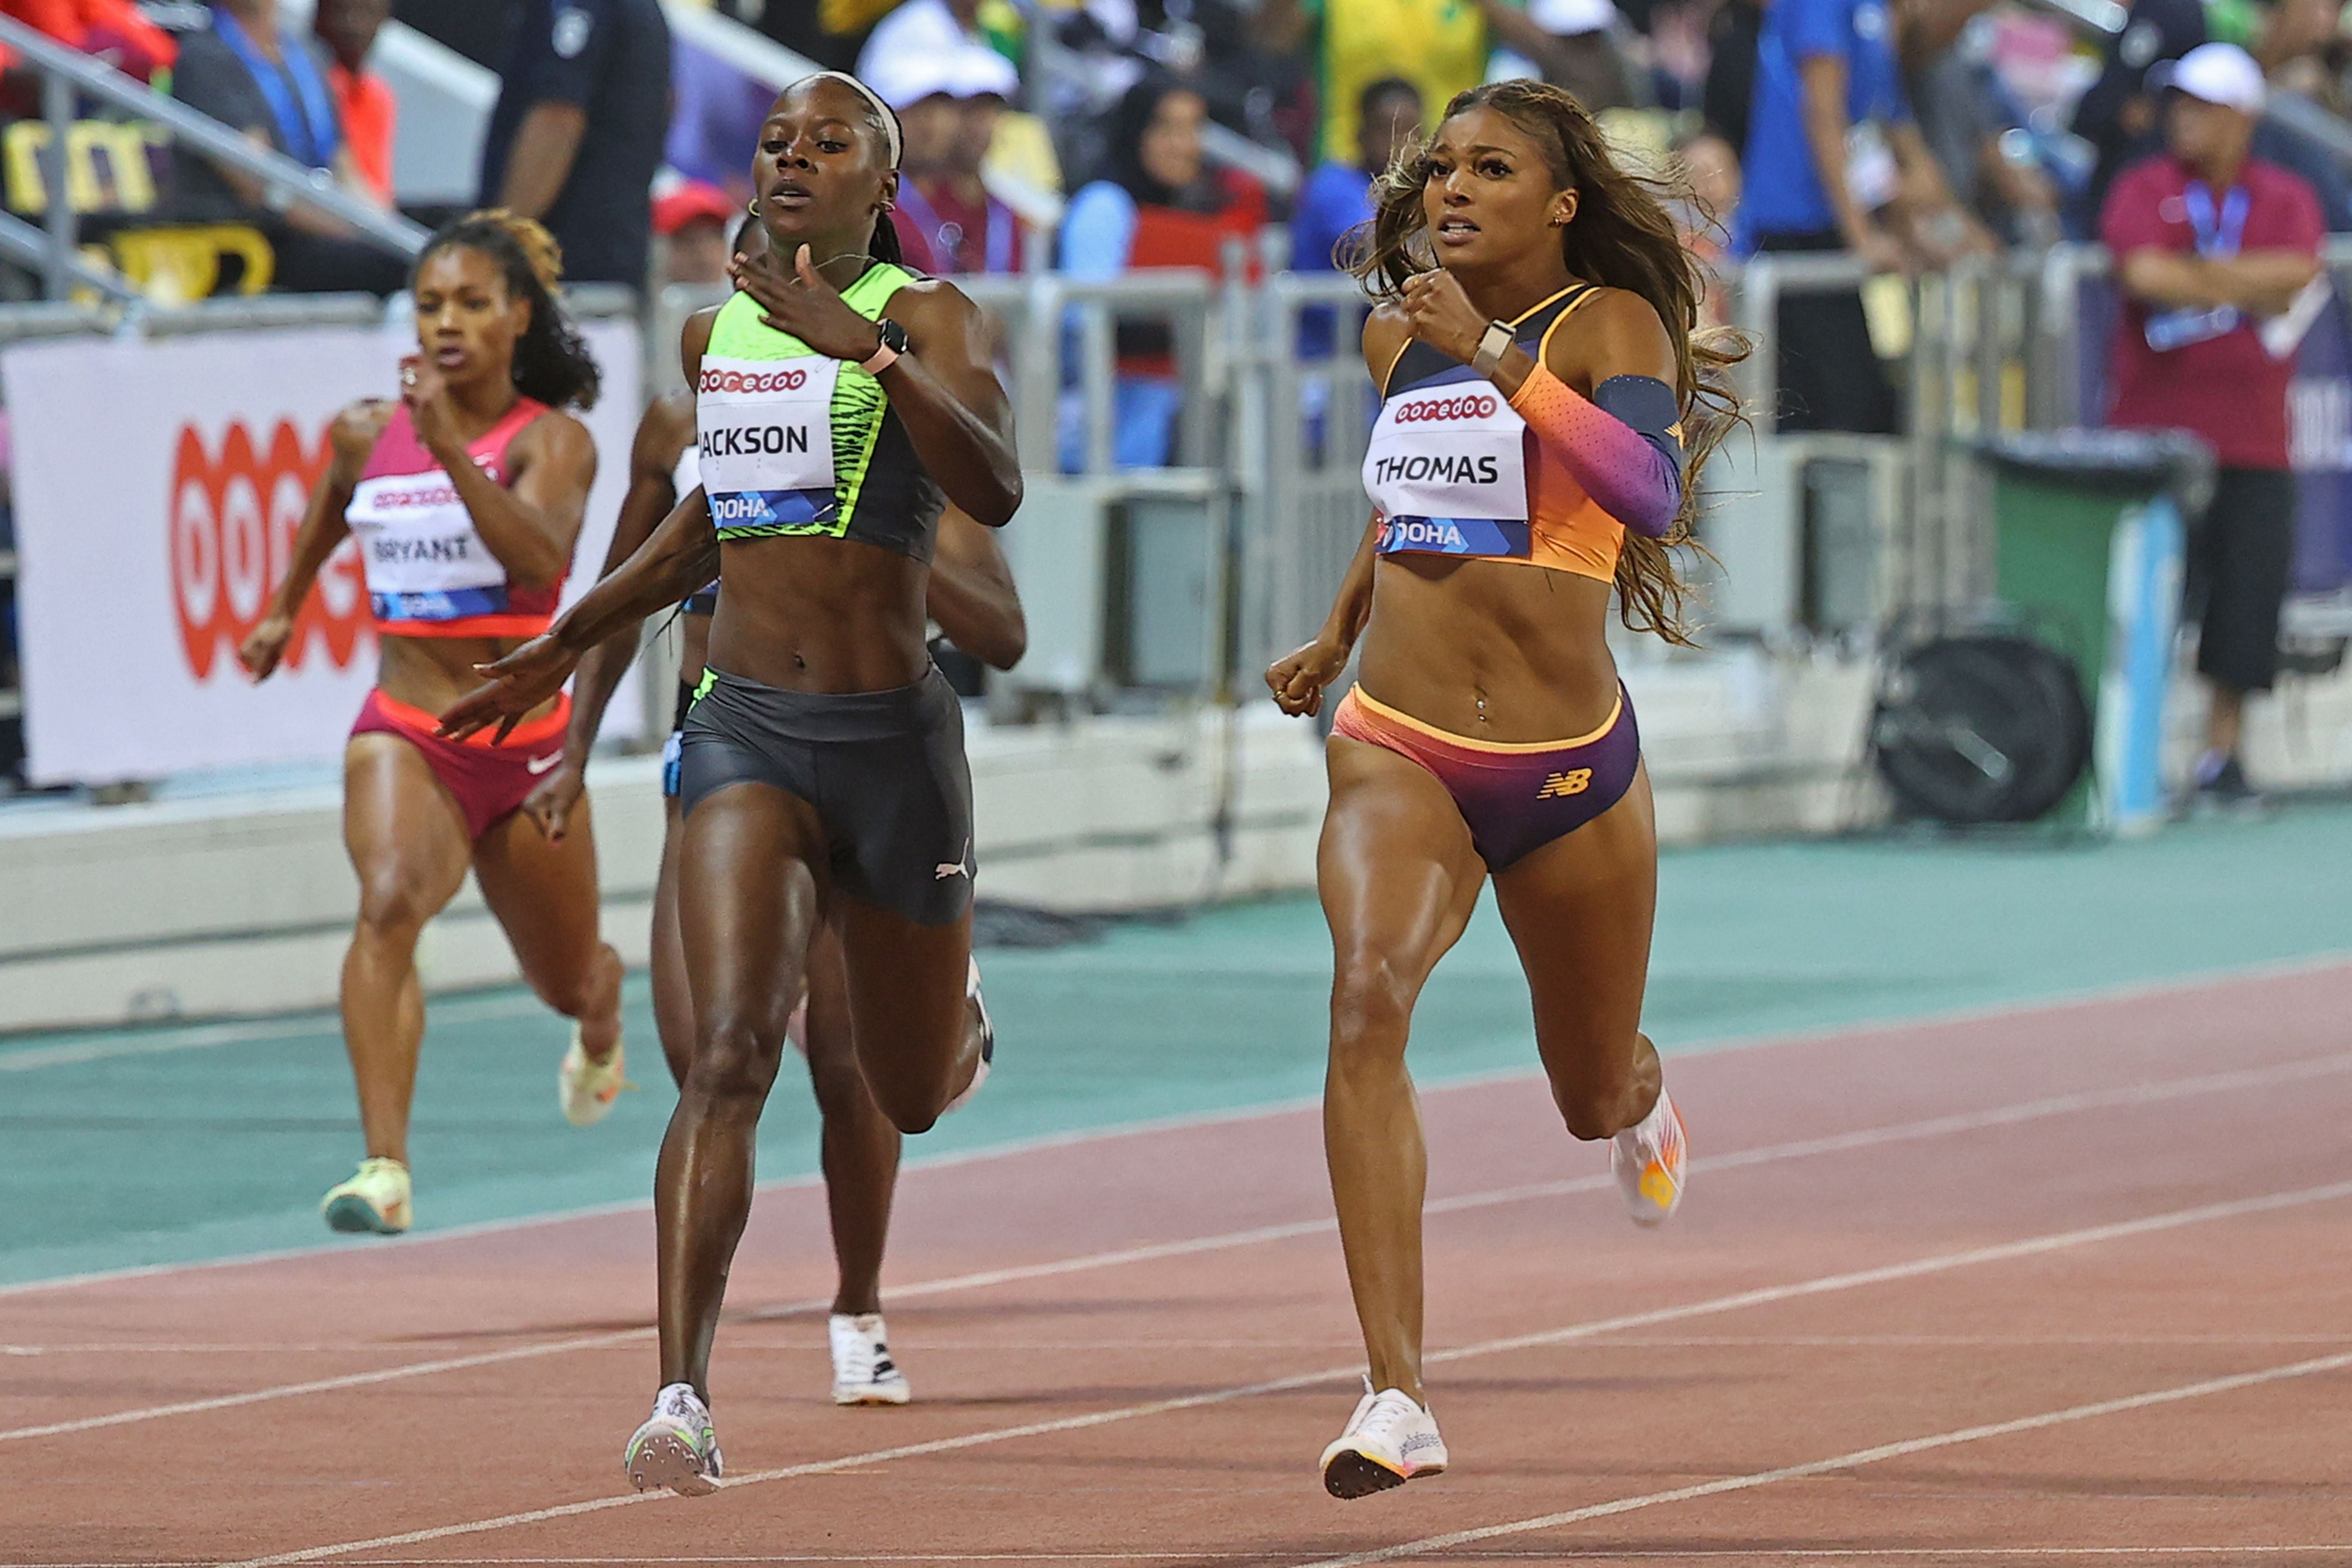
x,y
1648,1158
375,1200
586,1089
1391,1439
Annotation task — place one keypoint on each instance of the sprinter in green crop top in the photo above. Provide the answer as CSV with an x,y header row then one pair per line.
x,y
841,399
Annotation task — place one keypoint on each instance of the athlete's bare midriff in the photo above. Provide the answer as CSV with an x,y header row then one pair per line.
x,y
826,615
432,673
1494,650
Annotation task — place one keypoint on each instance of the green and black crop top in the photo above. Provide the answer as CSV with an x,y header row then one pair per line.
x,y
797,444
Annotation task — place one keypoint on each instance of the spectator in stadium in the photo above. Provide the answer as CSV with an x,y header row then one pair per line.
x,y
2309,54
1439,46
477,30
576,137
947,106
2117,114
271,83
917,27
1338,195
2209,241
2121,114
1831,146
694,221
1728,95
1709,221
114,31
370,112
1570,43
1970,123
1162,206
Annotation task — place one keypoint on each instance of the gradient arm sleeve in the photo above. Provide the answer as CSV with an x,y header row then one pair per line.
x,y
1623,444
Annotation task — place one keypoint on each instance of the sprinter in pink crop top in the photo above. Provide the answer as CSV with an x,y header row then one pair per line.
x,y
464,497
1546,393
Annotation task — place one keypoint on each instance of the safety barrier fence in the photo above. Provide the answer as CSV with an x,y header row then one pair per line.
x,y
68,77
1194,444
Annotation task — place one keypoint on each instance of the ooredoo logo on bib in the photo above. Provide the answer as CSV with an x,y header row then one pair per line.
x,y
753,381
1466,406
236,509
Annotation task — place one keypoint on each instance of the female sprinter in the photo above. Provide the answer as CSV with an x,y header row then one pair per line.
x,y
466,496
1539,381
973,598
822,774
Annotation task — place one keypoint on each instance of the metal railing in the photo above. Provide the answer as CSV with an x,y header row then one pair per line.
x,y
66,73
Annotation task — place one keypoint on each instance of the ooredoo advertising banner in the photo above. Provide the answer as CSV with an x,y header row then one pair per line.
x,y
158,489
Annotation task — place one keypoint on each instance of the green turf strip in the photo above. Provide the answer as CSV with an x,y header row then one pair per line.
x,y
137,1147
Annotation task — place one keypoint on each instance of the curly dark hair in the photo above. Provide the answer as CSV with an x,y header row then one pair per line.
x,y
552,363
1624,237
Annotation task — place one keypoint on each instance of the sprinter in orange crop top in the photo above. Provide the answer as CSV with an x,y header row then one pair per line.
x,y
464,497
1545,390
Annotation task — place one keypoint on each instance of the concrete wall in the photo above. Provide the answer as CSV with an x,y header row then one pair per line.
x,y
242,905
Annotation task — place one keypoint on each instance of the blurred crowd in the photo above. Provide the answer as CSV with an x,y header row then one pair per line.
x,y
1098,134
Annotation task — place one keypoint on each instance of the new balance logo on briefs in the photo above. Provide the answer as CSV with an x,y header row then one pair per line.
x,y
1559,786
540,764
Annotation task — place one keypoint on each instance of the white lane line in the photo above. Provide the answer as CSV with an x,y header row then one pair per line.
x,y
737,1344
160,1042
1919,1268
2203,1389
2282,969
1843,1142
1611,1555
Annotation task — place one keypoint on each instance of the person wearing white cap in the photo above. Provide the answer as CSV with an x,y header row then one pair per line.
x,y
947,101
2210,244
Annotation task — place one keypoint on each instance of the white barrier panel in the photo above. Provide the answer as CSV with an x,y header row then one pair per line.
x,y
158,489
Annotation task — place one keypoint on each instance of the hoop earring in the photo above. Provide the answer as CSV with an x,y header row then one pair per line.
x,y
754,207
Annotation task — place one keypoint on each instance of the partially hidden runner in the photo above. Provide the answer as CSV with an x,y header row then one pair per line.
x,y
1549,400
842,403
466,495
973,600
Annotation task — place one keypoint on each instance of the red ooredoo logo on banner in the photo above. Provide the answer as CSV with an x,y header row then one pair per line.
x,y
234,512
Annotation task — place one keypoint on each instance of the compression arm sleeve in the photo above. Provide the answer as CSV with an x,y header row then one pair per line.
x,y
1623,444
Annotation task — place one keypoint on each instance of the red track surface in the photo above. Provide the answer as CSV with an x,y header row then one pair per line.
x,y
2115,1232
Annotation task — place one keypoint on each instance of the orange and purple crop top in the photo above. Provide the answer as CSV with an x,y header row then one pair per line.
x,y
1547,476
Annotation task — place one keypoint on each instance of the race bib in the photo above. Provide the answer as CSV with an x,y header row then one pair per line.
x,y
1447,467
765,428
424,560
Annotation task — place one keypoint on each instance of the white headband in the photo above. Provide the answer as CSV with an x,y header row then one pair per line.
x,y
881,109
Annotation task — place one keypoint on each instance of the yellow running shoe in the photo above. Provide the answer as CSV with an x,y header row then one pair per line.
x,y
376,1199
587,1089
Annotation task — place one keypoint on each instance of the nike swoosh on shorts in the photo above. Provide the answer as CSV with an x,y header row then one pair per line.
x,y
540,764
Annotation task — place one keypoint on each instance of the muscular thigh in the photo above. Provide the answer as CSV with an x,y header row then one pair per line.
x,y
1580,911
906,986
1395,868
402,829
544,893
749,864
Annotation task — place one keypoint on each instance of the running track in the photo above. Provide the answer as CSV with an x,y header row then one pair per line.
x,y
2066,1284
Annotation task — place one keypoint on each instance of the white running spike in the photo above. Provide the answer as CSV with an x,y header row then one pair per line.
x,y
863,1370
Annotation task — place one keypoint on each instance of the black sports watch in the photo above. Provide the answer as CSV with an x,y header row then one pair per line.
x,y
894,344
